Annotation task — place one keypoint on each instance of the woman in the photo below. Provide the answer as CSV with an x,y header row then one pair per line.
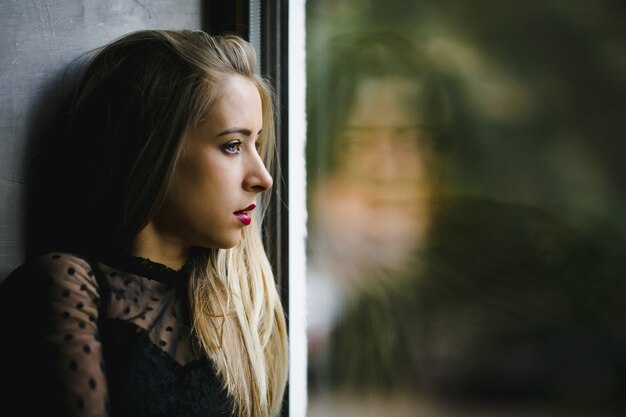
x,y
159,298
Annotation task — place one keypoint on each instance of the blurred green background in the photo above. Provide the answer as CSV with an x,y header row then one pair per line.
x,y
499,284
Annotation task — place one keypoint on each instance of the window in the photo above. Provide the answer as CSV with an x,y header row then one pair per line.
x,y
465,246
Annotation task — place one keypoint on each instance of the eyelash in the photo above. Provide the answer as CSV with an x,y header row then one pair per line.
x,y
227,147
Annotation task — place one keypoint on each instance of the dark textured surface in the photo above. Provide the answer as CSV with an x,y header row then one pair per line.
x,y
40,42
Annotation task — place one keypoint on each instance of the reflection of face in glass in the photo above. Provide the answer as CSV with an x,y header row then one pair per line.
x,y
376,201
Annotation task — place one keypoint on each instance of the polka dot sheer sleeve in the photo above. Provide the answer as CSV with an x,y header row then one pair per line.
x,y
73,333
51,358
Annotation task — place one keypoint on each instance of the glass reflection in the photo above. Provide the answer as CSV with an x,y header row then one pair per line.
x,y
464,253
371,197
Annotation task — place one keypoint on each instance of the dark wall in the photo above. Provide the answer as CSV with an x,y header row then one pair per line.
x,y
39,42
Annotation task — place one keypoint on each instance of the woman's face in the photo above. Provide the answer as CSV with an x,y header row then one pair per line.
x,y
219,173
377,200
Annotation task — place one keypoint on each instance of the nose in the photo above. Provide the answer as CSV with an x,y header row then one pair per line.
x,y
258,178
397,159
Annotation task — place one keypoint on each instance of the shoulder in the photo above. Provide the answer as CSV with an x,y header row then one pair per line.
x,y
50,269
63,263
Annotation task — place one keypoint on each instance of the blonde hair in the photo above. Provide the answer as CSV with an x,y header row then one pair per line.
x,y
138,98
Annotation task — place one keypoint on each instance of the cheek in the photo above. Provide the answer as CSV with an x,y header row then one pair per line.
x,y
190,167
202,188
187,181
195,171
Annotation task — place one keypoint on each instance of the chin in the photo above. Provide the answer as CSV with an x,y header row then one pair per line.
x,y
222,243
229,245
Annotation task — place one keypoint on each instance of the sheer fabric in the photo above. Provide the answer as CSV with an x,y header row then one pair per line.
x,y
113,338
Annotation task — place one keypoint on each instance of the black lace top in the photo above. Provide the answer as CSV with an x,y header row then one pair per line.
x,y
87,338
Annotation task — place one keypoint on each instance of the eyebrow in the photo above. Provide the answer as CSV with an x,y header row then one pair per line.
x,y
241,130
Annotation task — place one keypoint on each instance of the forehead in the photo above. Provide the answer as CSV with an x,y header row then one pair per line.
x,y
384,102
236,88
239,102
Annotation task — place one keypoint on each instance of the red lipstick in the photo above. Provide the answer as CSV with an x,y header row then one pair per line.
x,y
243,216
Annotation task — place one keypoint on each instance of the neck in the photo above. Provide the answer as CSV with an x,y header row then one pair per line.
x,y
151,245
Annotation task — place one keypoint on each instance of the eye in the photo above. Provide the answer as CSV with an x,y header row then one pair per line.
x,y
232,148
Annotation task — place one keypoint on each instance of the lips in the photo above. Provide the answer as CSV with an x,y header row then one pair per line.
x,y
243,216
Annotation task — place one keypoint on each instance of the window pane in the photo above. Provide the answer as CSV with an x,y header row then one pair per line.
x,y
465,193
